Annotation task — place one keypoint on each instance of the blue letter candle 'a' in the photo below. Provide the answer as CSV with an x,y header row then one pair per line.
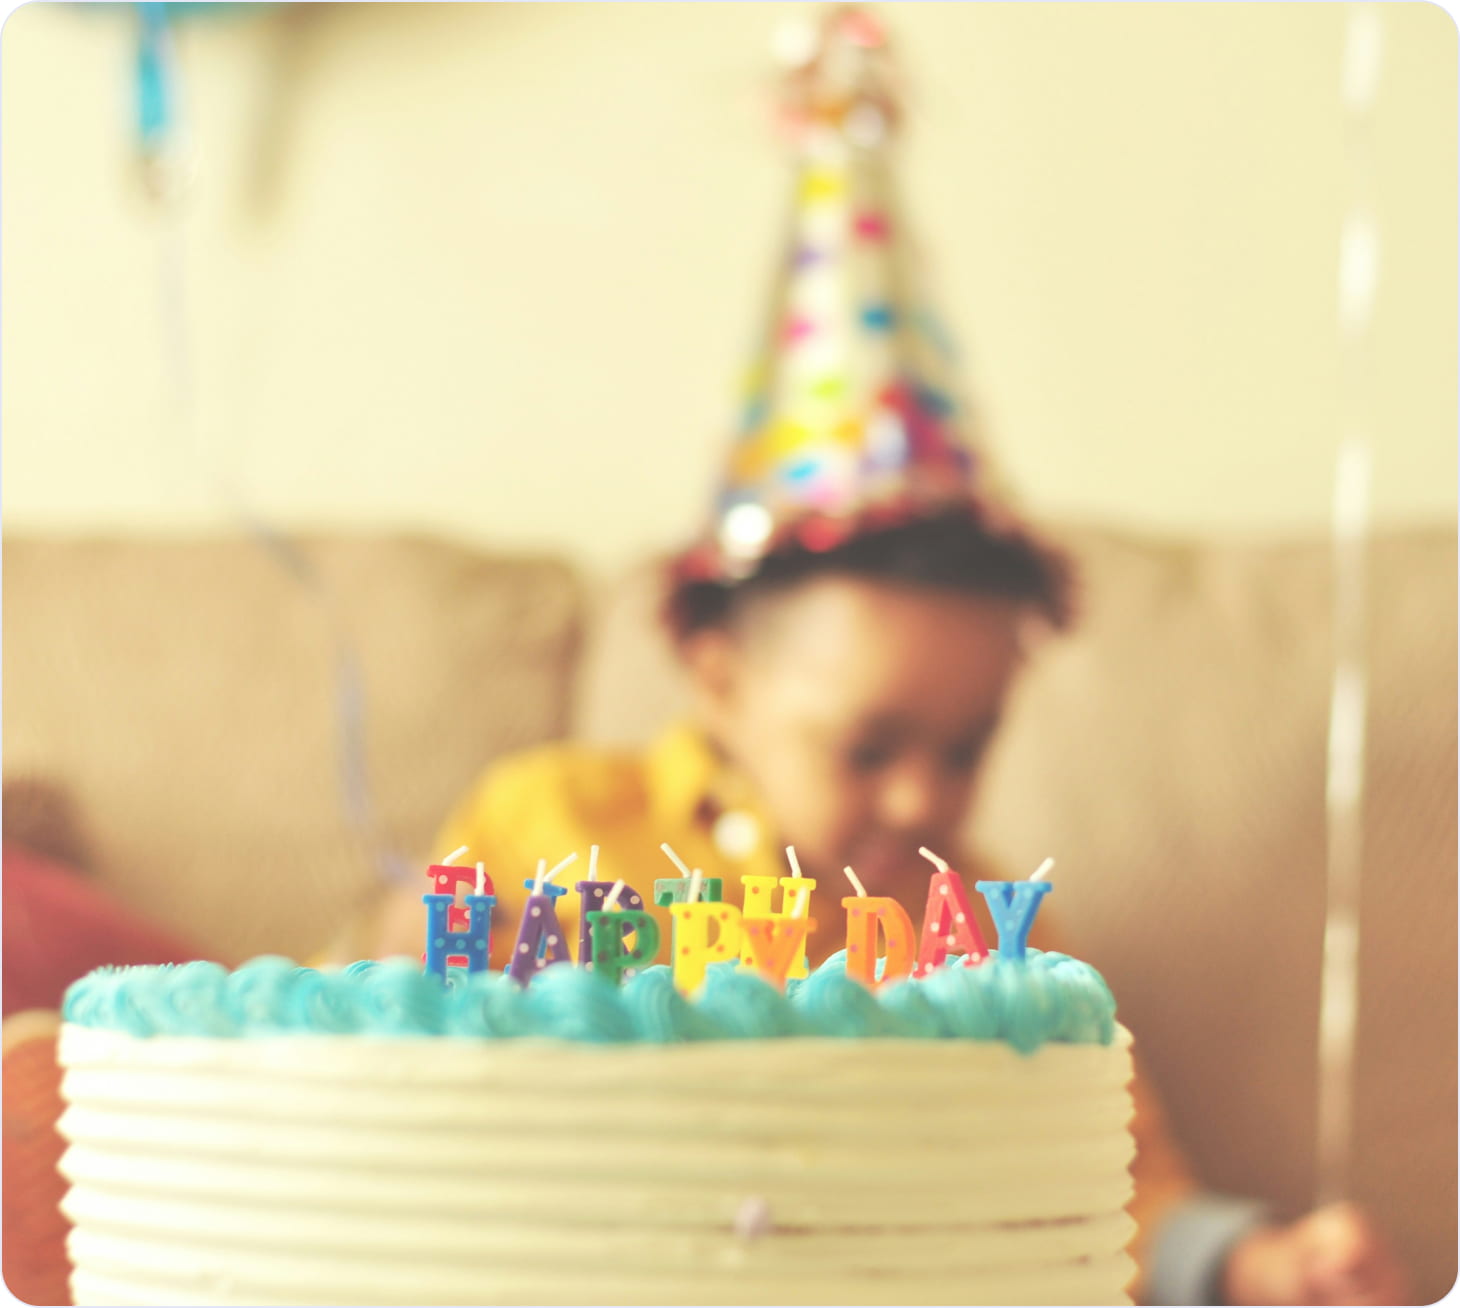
x,y
1012,905
472,945
592,895
540,937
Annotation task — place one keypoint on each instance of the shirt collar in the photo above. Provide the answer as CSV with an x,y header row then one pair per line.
x,y
691,787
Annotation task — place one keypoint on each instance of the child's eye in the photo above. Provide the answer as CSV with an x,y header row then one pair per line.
x,y
964,755
870,757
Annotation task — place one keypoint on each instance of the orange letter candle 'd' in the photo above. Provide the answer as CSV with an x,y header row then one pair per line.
x,y
948,922
865,914
703,934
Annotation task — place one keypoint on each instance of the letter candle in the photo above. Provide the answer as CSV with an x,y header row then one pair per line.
x,y
446,876
540,935
704,933
773,943
448,944
757,902
592,894
799,907
948,921
1012,905
674,890
865,913
611,956
545,887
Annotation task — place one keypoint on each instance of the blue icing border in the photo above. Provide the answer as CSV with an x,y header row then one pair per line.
x,y
1047,998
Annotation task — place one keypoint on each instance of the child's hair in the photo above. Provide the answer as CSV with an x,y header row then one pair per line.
x,y
950,551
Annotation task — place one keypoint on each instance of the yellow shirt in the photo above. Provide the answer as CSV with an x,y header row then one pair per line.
x,y
560,799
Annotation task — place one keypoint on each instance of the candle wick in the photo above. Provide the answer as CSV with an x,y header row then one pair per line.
x,y
593,862
856,883
940,863
1041,873
453,856
481,878
572,858
694,887
793,860
610,901
675,859
538,879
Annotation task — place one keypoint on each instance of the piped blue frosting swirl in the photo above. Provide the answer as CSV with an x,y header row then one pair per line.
x,y
1048,997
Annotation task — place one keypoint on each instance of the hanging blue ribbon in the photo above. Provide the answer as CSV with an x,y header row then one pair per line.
x,y
156,89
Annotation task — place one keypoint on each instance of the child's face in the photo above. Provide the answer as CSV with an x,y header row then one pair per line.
x,y
860,710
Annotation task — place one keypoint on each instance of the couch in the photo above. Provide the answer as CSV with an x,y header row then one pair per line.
x,y
240,738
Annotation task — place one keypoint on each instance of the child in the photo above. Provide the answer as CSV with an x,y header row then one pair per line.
x,y
851,625
843,702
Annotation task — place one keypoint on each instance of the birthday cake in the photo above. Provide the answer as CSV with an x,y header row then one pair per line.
x,y
280,1135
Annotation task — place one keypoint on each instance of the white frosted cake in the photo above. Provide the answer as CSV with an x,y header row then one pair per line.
x,y
284,1136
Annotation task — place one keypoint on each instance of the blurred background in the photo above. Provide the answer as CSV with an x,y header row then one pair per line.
x,y
336,469
492,270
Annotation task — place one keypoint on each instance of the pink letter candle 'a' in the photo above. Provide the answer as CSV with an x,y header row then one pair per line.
x,y
948,924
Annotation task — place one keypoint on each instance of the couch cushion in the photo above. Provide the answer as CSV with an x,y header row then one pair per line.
x,y
1171,755
187,696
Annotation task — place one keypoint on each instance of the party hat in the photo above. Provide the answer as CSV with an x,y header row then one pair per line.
x,y
849,418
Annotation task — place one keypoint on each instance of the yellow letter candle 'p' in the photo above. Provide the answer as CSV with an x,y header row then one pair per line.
x,y
703,934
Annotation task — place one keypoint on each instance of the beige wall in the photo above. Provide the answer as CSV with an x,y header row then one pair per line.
x,y
492,269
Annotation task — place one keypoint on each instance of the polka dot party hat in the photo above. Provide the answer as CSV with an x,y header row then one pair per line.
x,y
848,417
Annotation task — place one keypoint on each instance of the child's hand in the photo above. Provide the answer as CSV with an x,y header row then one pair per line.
x,y
1334,1255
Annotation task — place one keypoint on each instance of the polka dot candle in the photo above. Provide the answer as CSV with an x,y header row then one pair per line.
x,y
703,934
